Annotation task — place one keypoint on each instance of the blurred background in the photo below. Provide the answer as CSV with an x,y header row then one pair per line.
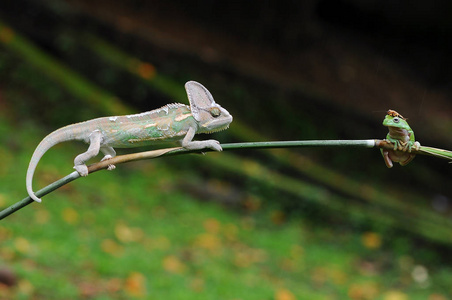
x,y
311,223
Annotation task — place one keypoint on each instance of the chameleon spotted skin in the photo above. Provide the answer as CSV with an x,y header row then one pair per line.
x,y
172,122
165,124
402,136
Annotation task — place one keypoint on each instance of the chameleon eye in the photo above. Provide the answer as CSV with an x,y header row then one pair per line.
x,y
396,120
215,112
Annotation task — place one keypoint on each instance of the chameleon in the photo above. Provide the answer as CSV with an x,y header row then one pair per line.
x,y
402,136
173,122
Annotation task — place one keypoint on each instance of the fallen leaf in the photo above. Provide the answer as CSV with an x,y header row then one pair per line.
x,y
25,287
111,247
363,291
395,295
70,215
128,234
284,294
212,225
135,285
208,241
371,240
22,245
173,264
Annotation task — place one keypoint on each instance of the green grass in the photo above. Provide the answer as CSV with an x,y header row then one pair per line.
x,y
134,234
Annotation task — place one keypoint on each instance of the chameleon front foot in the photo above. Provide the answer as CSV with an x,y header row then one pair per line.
x,y
197,145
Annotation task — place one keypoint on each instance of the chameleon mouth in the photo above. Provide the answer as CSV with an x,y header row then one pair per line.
x,y
217,129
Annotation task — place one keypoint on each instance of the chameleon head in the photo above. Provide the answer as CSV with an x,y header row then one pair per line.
x,y
395,121
209,116
213,119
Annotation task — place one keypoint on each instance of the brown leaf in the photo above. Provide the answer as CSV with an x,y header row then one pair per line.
x,y
128,234
208,241
70,215
135,285
111,247
173,264
371,240
22,245
395,295
284,294
212,225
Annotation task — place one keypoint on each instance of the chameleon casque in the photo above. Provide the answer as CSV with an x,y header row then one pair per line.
x,y
172,122
402,136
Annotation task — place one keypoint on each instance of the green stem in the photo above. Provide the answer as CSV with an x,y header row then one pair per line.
x,y
226,147
48,189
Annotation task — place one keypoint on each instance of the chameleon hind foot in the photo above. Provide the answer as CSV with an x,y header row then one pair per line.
x,y
109,167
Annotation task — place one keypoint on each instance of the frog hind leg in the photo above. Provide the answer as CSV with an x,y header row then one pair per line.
x,y
407,161
386,158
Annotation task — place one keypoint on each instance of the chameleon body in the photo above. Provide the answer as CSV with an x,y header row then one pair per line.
x,y
173,122
402,136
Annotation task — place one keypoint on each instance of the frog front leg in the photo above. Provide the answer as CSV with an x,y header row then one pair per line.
x,y
398,144
403,146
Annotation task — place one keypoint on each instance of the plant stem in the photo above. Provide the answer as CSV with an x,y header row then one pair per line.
x,y
226,147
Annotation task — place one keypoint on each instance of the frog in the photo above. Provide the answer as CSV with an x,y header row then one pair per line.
x,y
402,137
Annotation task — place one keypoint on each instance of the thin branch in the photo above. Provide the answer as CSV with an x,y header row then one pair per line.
x,y
440,153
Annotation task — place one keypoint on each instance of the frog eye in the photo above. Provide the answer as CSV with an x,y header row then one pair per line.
x,y
215,112
396,120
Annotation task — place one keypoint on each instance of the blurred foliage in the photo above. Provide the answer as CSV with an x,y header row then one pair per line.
x,y
281,224
140,233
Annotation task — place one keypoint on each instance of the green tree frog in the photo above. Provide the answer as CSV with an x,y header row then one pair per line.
x,y
402,136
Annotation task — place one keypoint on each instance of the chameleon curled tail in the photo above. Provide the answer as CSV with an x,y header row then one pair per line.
x,y
60,135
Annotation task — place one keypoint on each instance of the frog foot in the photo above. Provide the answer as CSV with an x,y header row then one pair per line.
x,y
398,145
404,146
416,146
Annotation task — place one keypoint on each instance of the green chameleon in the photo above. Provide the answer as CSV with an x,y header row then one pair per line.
x,y
402,136
173,122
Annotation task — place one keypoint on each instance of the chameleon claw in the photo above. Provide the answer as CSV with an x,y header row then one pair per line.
x,y
106,157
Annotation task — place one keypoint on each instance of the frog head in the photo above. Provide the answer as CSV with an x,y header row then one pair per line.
x,y
396,121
